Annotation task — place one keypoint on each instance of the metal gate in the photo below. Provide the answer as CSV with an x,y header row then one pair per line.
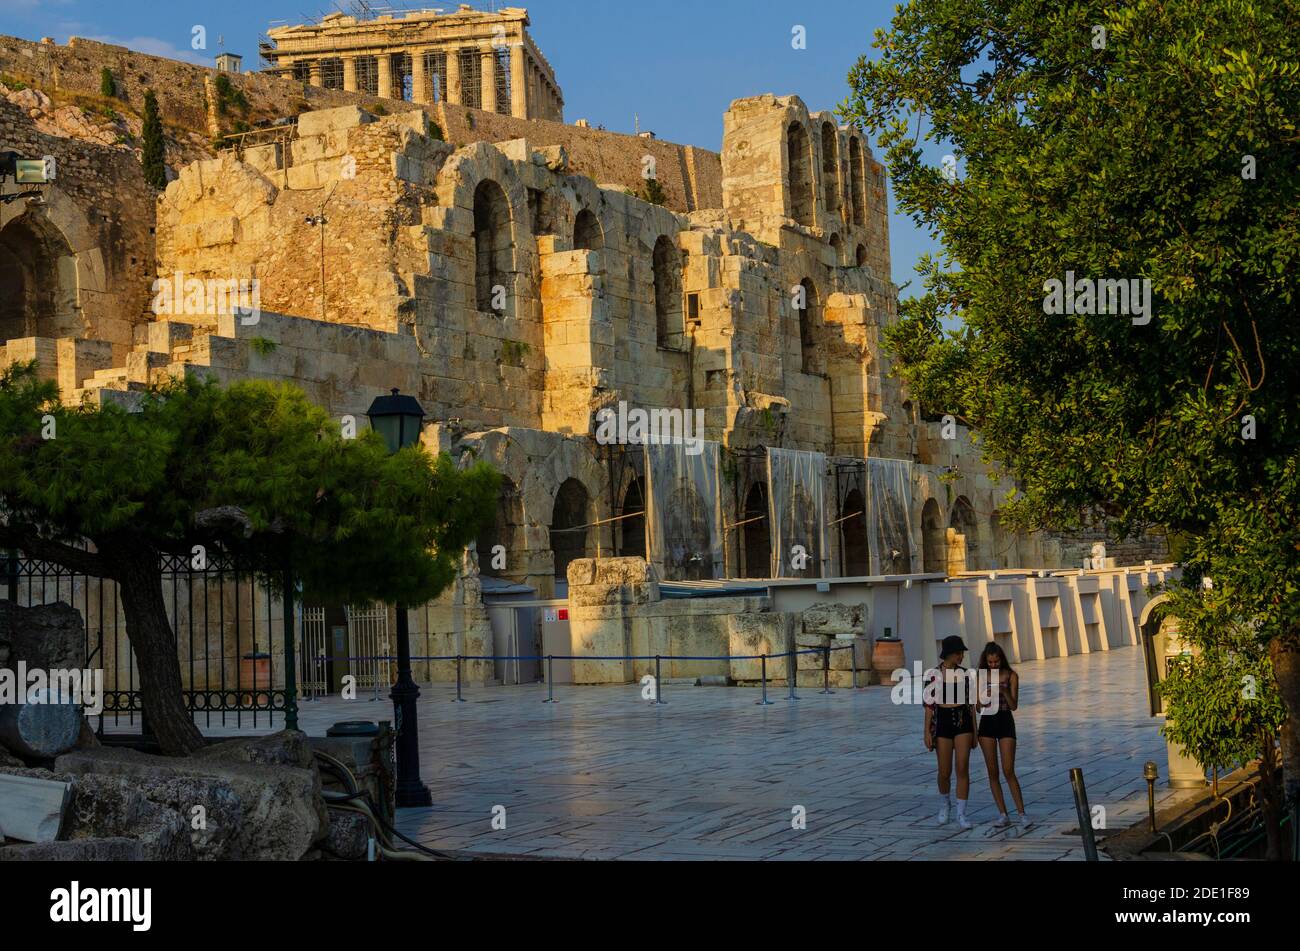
x,y
228,627
368,648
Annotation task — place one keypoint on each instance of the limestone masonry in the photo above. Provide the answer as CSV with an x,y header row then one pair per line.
x,y
425,220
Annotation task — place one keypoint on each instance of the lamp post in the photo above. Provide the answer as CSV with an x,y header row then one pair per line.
x,y
398,419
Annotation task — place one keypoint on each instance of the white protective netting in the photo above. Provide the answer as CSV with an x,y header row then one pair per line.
x,y
796,502
889,515
684,510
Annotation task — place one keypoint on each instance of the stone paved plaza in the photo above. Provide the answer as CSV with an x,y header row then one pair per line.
x,y
603,774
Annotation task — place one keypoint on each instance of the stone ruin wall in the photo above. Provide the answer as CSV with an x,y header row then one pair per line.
x,y
580,329
690,176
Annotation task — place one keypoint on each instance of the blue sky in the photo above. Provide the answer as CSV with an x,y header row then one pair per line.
x,y
676,64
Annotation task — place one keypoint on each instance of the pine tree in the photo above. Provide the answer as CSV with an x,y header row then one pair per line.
x,y
253,471
154,150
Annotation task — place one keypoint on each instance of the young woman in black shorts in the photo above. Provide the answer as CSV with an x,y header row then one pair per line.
x,y
950,726
997,732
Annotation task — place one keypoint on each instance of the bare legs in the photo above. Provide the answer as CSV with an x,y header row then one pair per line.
x,y
945,748
1007,747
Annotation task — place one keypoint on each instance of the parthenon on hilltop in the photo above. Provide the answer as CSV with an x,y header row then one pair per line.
x,y
472,58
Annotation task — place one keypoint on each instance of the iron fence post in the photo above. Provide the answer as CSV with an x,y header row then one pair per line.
x,y
826,670
459,698
290,668
764,702
659,684
550,679
792,673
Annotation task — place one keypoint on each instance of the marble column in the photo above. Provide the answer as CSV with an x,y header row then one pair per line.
x,y
453,91
419,77
350,73
314,73
385,75
488,67
519,81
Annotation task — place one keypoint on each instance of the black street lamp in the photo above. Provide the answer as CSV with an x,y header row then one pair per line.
x,y
398,419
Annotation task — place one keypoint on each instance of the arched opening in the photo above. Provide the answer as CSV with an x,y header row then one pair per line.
x,y
801,178
756,534
688,554
861,255
500,543
587,233
857,167
38,281
630,531
493,248
934,558
963,538
666,263
853,534
808,310
831,169
568,537
837,245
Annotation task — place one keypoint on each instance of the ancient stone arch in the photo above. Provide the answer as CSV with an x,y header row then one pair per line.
x,y
667,269
38,281
933,538
570,530
587,233
860,255
837,248
809,317
507,531
629,532
802,197
493,249
857,169
964,552
830,169
756,534
853,530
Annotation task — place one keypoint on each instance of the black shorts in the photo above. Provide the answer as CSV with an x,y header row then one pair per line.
x,y
952,722
998,726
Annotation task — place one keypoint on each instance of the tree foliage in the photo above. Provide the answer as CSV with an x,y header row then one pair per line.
x,y
153,149
253,470
1152,140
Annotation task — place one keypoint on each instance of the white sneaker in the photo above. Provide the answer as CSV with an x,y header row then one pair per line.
x,y
1023,819
963,821
943,814
1001,822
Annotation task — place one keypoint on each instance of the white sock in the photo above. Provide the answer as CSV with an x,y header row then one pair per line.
x,y
961,807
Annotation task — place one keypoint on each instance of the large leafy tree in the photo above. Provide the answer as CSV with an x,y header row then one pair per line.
x,y
253,470
1150,140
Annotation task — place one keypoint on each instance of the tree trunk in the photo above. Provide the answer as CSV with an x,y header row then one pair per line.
x,y
1271,804
1286,671
140,583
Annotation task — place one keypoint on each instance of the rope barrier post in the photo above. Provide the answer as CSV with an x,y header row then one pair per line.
x,y
854,648
764,702
1085,815
459,698
550,679
792,671
659,684
826,670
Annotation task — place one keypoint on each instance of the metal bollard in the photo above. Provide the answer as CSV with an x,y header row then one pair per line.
x,y
1085,815
792,673
855,666
459,698
550,679
764,702
826,670
659,684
